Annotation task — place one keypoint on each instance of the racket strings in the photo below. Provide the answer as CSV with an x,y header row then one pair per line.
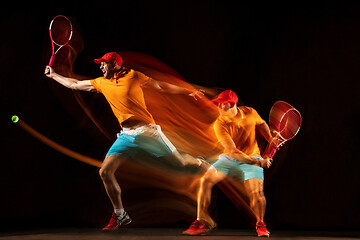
x,y
290,124
61,31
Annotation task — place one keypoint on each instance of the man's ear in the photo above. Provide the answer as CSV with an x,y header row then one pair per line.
x,y
116,66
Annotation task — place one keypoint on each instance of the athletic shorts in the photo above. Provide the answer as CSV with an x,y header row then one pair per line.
x,y
237,170
147,139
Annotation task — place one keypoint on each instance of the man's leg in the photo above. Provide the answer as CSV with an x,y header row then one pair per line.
x,y
107,174
210,178
255,189
204,222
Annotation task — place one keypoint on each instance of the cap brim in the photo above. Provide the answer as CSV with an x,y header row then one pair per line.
x,y
99,60
219,100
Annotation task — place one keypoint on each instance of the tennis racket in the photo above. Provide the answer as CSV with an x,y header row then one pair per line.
x,y
285,122
60,31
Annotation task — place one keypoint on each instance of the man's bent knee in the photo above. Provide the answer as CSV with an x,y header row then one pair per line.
x,y
105,174
109,166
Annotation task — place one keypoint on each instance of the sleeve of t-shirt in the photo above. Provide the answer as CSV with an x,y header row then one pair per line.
x,y
258,119
143,79
97,83
221,131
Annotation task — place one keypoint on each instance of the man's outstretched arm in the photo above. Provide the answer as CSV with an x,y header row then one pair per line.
x,y
72,83
173,89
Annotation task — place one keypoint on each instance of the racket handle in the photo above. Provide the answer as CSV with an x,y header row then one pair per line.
x,y
52,59
270,150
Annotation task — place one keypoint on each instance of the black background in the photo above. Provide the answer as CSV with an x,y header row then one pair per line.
x,y
304,53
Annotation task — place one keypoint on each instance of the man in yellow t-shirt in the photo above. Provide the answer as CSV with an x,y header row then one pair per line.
x,y
241,160
122,88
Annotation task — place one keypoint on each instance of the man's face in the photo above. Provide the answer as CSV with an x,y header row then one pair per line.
x,y
226,108
108,69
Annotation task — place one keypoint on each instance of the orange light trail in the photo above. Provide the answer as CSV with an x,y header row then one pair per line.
x,y
58,147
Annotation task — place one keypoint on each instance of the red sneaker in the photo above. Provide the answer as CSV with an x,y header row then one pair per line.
x,y
117,221
262,230
198,228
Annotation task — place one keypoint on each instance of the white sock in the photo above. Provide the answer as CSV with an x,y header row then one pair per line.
x,y
119,212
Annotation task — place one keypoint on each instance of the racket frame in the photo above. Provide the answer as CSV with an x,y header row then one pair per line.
x,y
291,109
280,140
53,42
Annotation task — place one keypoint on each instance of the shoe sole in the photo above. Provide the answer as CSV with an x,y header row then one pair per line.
x,y
128,221
197,234
122,224
201,234
264,235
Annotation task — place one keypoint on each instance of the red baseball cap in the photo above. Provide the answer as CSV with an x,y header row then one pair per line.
x,y
226,96
110,57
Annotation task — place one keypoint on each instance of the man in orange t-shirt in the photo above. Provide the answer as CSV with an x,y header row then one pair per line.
x,y
122,88
241,160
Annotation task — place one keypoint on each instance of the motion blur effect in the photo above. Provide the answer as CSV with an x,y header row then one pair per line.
x,y
190,128
303,54
140,140
241,161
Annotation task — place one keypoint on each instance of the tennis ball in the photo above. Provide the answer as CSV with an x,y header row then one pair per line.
x,y
15,119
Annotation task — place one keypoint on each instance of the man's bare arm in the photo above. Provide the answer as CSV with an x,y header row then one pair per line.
x,y
265,131
72,83
173,89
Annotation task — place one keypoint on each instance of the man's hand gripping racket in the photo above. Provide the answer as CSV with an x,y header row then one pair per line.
x,y
285,122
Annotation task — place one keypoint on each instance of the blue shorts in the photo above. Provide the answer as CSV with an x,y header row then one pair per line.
x,y
237,170
148,146
147,140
